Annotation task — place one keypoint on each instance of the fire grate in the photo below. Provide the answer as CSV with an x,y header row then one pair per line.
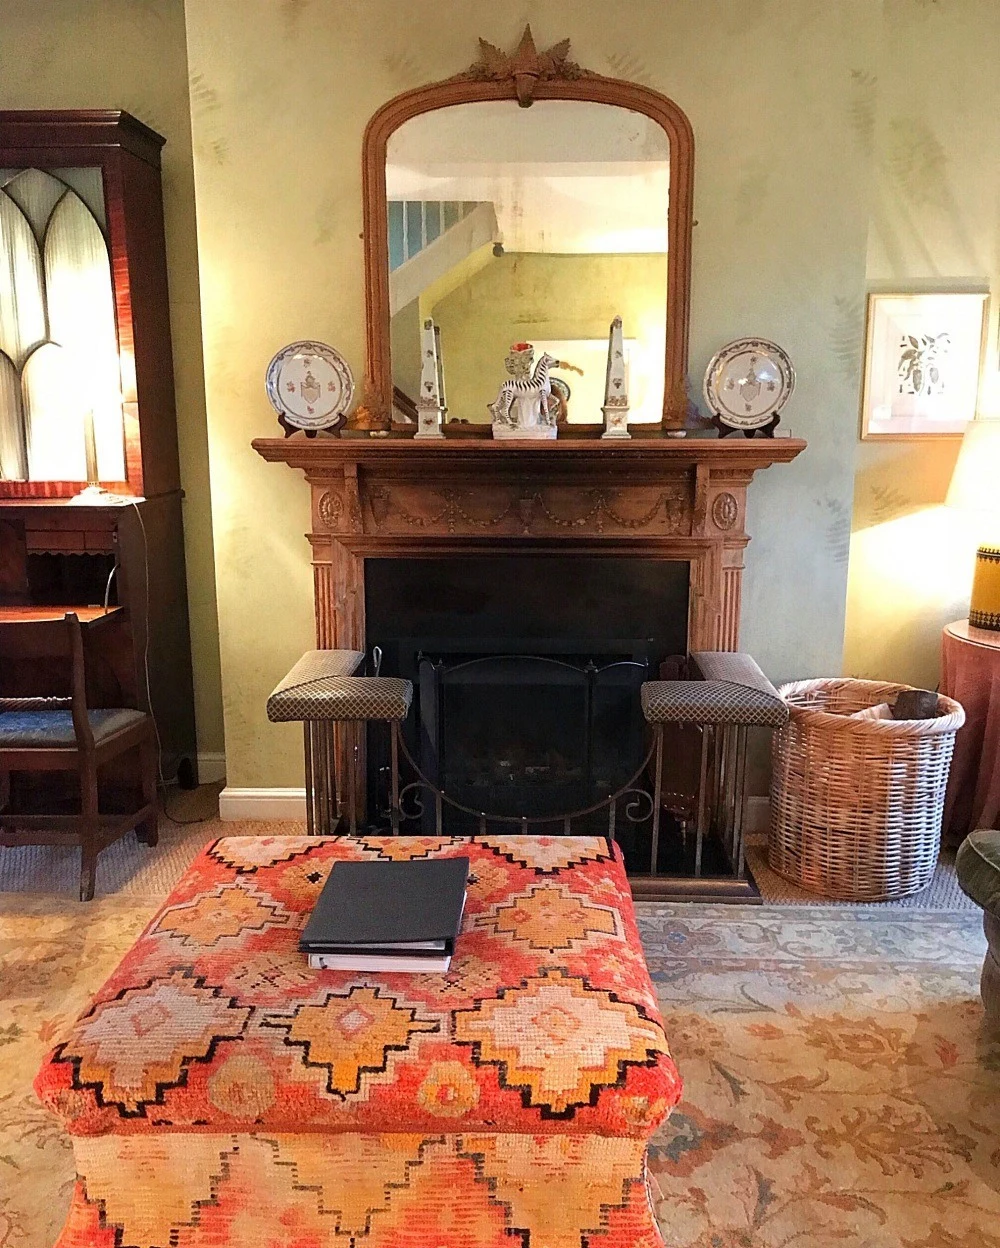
x,y
530,734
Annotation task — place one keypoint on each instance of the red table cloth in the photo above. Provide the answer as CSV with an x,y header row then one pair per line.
x,y
970,673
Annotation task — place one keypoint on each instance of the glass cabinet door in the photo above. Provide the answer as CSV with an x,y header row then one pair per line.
x,y
60,381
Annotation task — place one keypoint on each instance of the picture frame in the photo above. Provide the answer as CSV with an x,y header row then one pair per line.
x,y
923,363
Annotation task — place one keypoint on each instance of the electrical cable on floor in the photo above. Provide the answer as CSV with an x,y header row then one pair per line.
x,y
182,823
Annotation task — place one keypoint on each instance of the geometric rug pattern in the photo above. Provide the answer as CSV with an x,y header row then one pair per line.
x,y
839,1086
553,1029
218,1089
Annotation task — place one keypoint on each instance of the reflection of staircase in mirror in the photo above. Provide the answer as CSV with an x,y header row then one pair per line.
x,y
429,239
403,405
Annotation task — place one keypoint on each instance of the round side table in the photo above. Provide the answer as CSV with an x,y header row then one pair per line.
x,y
970,673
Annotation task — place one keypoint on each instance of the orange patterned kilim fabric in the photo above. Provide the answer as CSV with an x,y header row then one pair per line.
x,y
221,1092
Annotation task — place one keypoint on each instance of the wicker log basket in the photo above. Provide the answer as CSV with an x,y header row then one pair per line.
x,y
857,797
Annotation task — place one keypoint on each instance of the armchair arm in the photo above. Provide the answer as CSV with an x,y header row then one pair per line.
x,y
978,868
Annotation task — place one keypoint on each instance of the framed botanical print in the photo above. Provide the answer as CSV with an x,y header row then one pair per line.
x,y
923,358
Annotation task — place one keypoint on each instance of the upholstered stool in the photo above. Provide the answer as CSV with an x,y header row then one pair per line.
x,y
221,1094
734,696
321,690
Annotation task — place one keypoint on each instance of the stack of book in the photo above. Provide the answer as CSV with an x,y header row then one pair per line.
x,y
387,916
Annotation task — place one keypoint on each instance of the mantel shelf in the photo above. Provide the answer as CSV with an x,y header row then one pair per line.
x,y
322,454
651,497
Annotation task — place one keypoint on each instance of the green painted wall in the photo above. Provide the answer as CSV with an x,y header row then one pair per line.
x,y
853,142
280,96
853,145
931,120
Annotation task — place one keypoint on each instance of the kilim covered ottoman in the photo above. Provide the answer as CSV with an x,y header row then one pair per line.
x,y
219,1092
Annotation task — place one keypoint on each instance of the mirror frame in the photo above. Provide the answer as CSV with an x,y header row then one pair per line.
x,y
552,77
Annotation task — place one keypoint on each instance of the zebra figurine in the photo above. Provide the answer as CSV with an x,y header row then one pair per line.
x,y
521,409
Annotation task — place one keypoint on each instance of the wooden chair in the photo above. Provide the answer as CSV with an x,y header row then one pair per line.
x,y
54,734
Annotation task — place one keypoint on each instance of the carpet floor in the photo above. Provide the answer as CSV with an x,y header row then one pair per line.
x,y
840,1089
130,869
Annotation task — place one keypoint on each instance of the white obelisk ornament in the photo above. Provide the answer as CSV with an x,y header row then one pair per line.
x,y
616,386
430,410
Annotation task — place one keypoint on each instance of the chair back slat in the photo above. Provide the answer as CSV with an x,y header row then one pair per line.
x,y
35,639
57,641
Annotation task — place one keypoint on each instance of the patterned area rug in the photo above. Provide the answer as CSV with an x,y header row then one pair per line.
x,y
839,1087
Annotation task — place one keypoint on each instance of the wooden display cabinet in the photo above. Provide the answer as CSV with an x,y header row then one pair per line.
x,y
86,384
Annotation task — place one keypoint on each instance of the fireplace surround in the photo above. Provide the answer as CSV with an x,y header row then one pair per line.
x,y
654,497
659,500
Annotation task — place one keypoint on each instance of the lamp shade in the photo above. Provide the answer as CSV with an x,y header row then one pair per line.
x,y
975,485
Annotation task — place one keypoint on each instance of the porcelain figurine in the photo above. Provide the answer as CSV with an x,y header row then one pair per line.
x,y
430,403
523,408
616,386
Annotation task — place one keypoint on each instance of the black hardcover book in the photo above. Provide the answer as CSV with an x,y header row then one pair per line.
x,y
412,908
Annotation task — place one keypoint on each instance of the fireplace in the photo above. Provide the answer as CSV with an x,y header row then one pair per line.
x,y
568,546
526,670
526,673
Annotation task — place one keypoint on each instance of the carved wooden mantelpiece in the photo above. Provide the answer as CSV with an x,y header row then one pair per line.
x,y
676,499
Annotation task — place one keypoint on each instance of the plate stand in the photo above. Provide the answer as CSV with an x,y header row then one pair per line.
x,y
765,431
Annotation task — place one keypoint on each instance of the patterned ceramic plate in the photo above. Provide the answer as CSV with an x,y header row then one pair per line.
x,y
748,382
310,385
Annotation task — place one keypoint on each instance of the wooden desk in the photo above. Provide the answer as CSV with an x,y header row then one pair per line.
x,y
86,615
112,679
57,552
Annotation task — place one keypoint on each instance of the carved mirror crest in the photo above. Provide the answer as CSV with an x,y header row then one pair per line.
x,y
501,226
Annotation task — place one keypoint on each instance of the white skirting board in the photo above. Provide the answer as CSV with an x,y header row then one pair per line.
x,y
291,804
211,768
262,804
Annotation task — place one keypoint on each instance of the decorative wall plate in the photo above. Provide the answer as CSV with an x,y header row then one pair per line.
x,y
747,383
310,387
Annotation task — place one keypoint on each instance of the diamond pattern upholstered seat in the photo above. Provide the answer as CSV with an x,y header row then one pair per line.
x,y
302,693
321,686
709,702
734,697
734,691
220,1092
353,698
733,667
321,691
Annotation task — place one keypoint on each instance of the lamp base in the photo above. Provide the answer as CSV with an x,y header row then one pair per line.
x,y
984,609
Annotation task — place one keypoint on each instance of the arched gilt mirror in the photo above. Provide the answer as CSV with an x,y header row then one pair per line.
x,y
527,203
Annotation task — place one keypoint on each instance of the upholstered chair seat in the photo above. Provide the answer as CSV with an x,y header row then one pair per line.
x,y
54,728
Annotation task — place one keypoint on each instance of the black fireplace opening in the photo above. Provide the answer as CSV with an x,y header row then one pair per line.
x,y
518,732
526,673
